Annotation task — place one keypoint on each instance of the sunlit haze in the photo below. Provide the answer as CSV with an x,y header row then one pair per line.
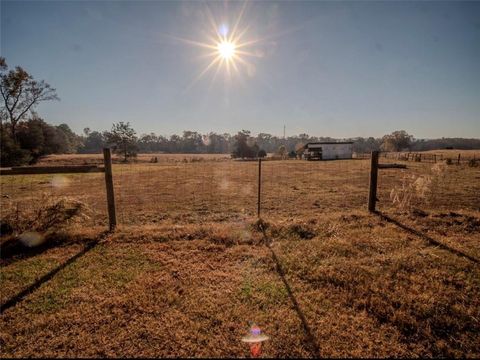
x,y
339,69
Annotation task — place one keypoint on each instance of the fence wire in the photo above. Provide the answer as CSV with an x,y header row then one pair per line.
x,y
441,185
291,188
189,189
185,190
34,202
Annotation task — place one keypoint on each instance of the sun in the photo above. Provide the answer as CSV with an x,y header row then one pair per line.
x,y
226,49
227,45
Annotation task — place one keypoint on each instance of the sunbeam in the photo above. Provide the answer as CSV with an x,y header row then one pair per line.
x,y
224,42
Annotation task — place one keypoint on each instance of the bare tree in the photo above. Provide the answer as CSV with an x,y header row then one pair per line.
x,y
20,93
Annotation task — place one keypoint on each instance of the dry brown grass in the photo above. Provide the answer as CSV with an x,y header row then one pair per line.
x,y
189,269
89,159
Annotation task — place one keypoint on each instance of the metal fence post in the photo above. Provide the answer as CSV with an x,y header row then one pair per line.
x,y
107,160
372,196
259,185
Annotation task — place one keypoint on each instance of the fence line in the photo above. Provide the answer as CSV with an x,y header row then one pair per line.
x,y
197,191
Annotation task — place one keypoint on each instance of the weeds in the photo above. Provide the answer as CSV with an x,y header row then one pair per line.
x,y
51,214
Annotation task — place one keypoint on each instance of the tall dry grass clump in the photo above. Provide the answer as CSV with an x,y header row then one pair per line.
x,y
50,214
415,189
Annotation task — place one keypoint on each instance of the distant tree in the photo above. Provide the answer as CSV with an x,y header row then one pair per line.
x,y
264,141
282,151
72,140
262,153
192,142
11,154
241,148
363,145
124,140
31,137
300,149
21,93
40,138
397,141
254,150
93,142
174,144
216,143
148,143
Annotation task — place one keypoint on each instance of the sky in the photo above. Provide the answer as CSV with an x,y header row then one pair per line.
x,y
339,69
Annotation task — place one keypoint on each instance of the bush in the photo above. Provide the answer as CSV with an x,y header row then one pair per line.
x,y
473,163
11,154
262,153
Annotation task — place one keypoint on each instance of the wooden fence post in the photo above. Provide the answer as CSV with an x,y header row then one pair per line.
x,y
458,161
259,185
107,160
372,196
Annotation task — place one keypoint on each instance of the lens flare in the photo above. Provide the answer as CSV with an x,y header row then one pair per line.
x,y
59,181
255,339
31,239
223,30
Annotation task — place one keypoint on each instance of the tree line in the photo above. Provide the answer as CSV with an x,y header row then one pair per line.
x,y
25,137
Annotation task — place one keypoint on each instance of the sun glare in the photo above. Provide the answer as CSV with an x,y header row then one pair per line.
x,y
227,45
226,49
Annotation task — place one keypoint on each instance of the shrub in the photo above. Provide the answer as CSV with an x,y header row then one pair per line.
x,y
11,154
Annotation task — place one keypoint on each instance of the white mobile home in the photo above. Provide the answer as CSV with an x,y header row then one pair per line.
x,y
328,150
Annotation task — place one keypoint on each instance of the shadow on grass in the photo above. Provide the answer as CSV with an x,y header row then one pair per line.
x,y
13,250
431,240
306,328
21,295
308,332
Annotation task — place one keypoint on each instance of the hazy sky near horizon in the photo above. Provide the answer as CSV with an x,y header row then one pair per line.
x,y
337,69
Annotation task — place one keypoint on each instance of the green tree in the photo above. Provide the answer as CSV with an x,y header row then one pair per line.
x,y
262,153
123,139
11,154
72,140
397,141
93,142
241,147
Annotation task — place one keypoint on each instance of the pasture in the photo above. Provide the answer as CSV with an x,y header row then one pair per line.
x,y
190,267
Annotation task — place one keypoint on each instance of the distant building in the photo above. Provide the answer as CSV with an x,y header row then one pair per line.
x,y
328,150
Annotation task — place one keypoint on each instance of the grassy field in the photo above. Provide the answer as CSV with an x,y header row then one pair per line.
x,y
190,267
